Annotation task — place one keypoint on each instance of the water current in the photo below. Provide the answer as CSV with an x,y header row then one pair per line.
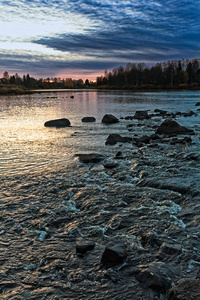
x,y
28,146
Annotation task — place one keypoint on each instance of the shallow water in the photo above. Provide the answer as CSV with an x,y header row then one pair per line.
x,y
28,146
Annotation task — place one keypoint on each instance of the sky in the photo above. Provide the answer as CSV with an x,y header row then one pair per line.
x,y
83,38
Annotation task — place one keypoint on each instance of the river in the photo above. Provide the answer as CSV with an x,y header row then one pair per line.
x,y
26,145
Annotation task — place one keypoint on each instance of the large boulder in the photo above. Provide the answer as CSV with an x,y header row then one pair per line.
x,y
172,127
58,123
113,139
109,119
90,157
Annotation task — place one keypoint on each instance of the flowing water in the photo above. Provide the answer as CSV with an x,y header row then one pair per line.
x,y
28,146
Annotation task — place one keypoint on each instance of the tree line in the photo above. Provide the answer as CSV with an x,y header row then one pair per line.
x,y
48,83
176,73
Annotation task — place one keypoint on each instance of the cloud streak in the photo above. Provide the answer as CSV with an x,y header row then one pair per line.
x,y
92,35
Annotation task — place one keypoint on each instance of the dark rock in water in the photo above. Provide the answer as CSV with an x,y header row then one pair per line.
x,y
157,276
110,165
141,114
160,111
113,139
129,118
83,248
185,140
168,250
58,123
90,157
113,254
119,155
88,119
143,139
171,127
109,119
189,114
185,290
154,137
197,104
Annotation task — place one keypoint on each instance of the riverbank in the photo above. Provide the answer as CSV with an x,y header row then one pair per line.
x,y
11,89
126,231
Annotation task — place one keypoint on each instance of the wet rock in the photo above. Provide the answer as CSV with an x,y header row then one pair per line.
x,y
185,140
113,139
157,276
58,123
191,156
90,157
84,247
109,119
154,137
110,165
119,155
88,119
172,127
197,104
167,250
185,290
189,114
160,111
113,254
141,114
143,139
149,239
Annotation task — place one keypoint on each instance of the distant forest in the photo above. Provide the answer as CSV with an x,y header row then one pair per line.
x,y
178,73
171,74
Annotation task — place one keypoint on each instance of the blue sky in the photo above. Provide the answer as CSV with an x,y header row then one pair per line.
x,y
82,38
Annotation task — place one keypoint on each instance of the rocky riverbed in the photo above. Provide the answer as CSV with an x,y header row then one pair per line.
x,y
120,226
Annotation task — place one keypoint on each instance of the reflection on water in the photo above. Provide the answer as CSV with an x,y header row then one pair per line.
x,y
26,145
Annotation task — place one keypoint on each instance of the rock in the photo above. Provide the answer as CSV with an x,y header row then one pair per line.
x,y
72,97
172,127
110,165
185,140
88,119
189,114
141,114
160,111
83,248
157,276
113,254
113,139
154,137
109,119
168,250
58,123
185,290
143,139
119,155
197,104
90,157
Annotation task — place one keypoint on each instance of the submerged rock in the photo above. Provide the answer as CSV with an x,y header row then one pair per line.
x,y
88,119
168,250
113,254
58,123
90,157
109,119
84,247
113,139
158,276
172,127
185,290
141,114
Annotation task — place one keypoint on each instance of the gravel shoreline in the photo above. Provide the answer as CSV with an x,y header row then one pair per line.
x,y
146,204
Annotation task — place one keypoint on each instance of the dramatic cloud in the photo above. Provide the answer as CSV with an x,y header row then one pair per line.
x,y
52,37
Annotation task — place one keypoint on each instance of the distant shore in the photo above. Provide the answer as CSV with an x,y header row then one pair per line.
x,y
11,89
